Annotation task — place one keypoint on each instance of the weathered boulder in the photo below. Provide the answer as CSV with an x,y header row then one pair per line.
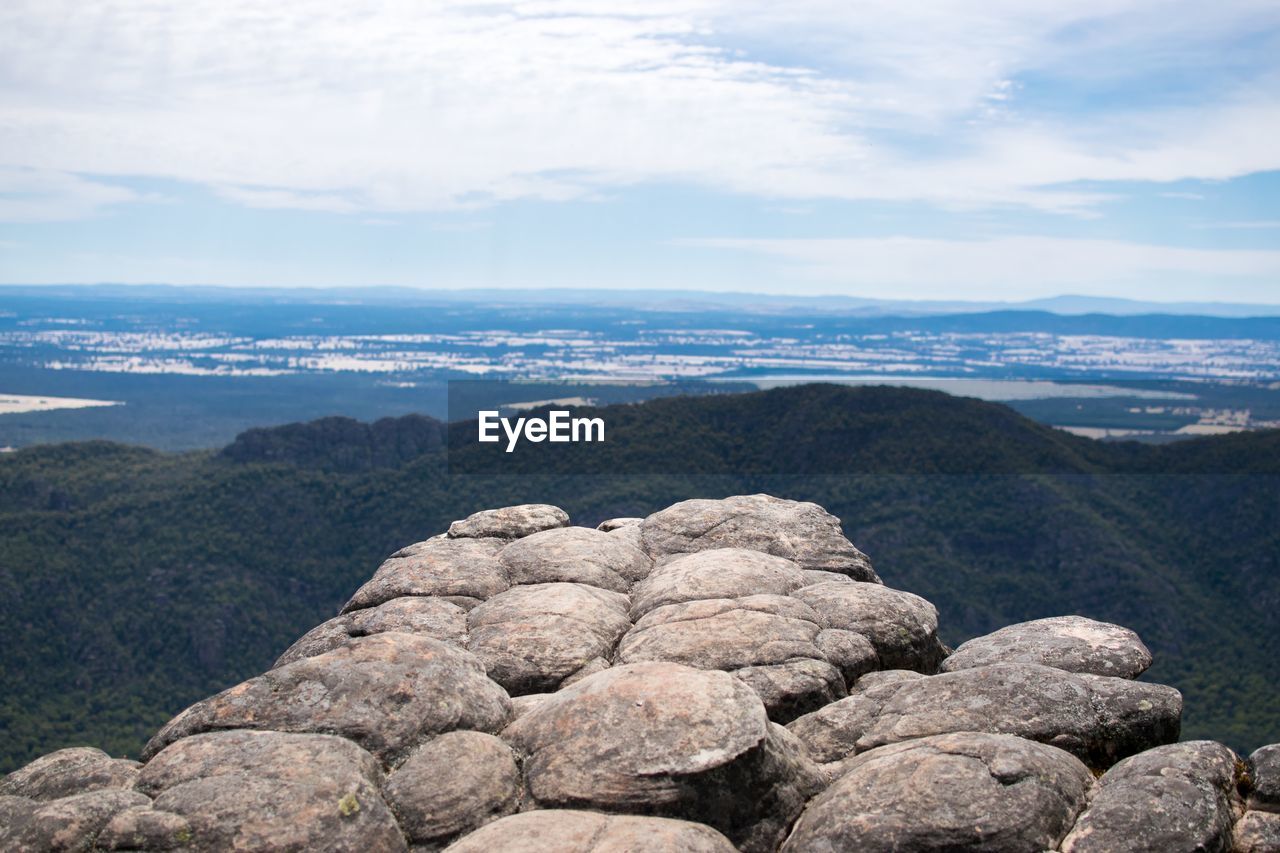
x,y
144,828
445,567
1257,832
509,522
722,634
1073,643
660,738
611,524
802,532
410,614
722,573
902,627
531,638
453,784
1175,797
1098,719
245,789
386,692
66,824
793,688
571,831
575,555
1264,769
69,771
964,791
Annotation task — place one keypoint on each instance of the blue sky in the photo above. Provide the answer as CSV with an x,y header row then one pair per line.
x,y
982,150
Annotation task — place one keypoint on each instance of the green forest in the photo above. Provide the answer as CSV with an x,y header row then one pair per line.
x,y
136,581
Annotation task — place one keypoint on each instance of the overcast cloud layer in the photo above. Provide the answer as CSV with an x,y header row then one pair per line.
x,y
1003,108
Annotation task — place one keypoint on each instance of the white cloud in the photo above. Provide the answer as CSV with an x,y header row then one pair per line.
x,y
40,195
1022,266
400,105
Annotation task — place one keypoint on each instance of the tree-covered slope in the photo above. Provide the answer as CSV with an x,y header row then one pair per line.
x,y
136,582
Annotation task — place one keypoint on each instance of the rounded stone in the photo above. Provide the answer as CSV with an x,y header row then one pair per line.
x,y
1071,643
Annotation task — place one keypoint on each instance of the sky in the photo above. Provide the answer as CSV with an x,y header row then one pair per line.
x,y
935,149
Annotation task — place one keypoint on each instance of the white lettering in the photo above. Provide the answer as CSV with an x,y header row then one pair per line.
x,y
558,426
513,435
488,425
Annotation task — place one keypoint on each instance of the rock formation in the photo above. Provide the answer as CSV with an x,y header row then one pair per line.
x,y
724,674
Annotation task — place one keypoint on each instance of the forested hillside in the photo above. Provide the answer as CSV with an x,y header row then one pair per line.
x,y
136,582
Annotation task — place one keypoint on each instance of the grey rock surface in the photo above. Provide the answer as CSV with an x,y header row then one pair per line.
x,y
661,738
1176,797
69,823
611,524
1100,720
903,627
453,784
426,615
443,567
573,831
1257,832
1072,643
75,770
793,688
510,522
575,555
802,532
1264,770
964,791
722,573
386,692
532,638
256,790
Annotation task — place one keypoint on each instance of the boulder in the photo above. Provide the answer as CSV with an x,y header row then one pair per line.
x,y
510,522
1257,832
660,738
1072,643
425,615
964,791
386,692
730,636
723,573
442,567
902,627
793,688
1264,770
570,831
144,828
611,524
69,771
531,638
1098,719
575,555
68,823
802,532
1175,797
258,790
453,784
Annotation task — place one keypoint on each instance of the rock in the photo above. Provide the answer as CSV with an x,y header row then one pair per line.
x,y
1098,719
796,687
1264,769
511,522
569,831
723,573
575,555
69,771
964,791
259,790
144,828
386,692
428,616
452,785
531,638
443,567
14,814
611,524
884,676
902,627
660,738
802,532
850,652
1258,832
1175,797
732,638
68,823
1072,643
